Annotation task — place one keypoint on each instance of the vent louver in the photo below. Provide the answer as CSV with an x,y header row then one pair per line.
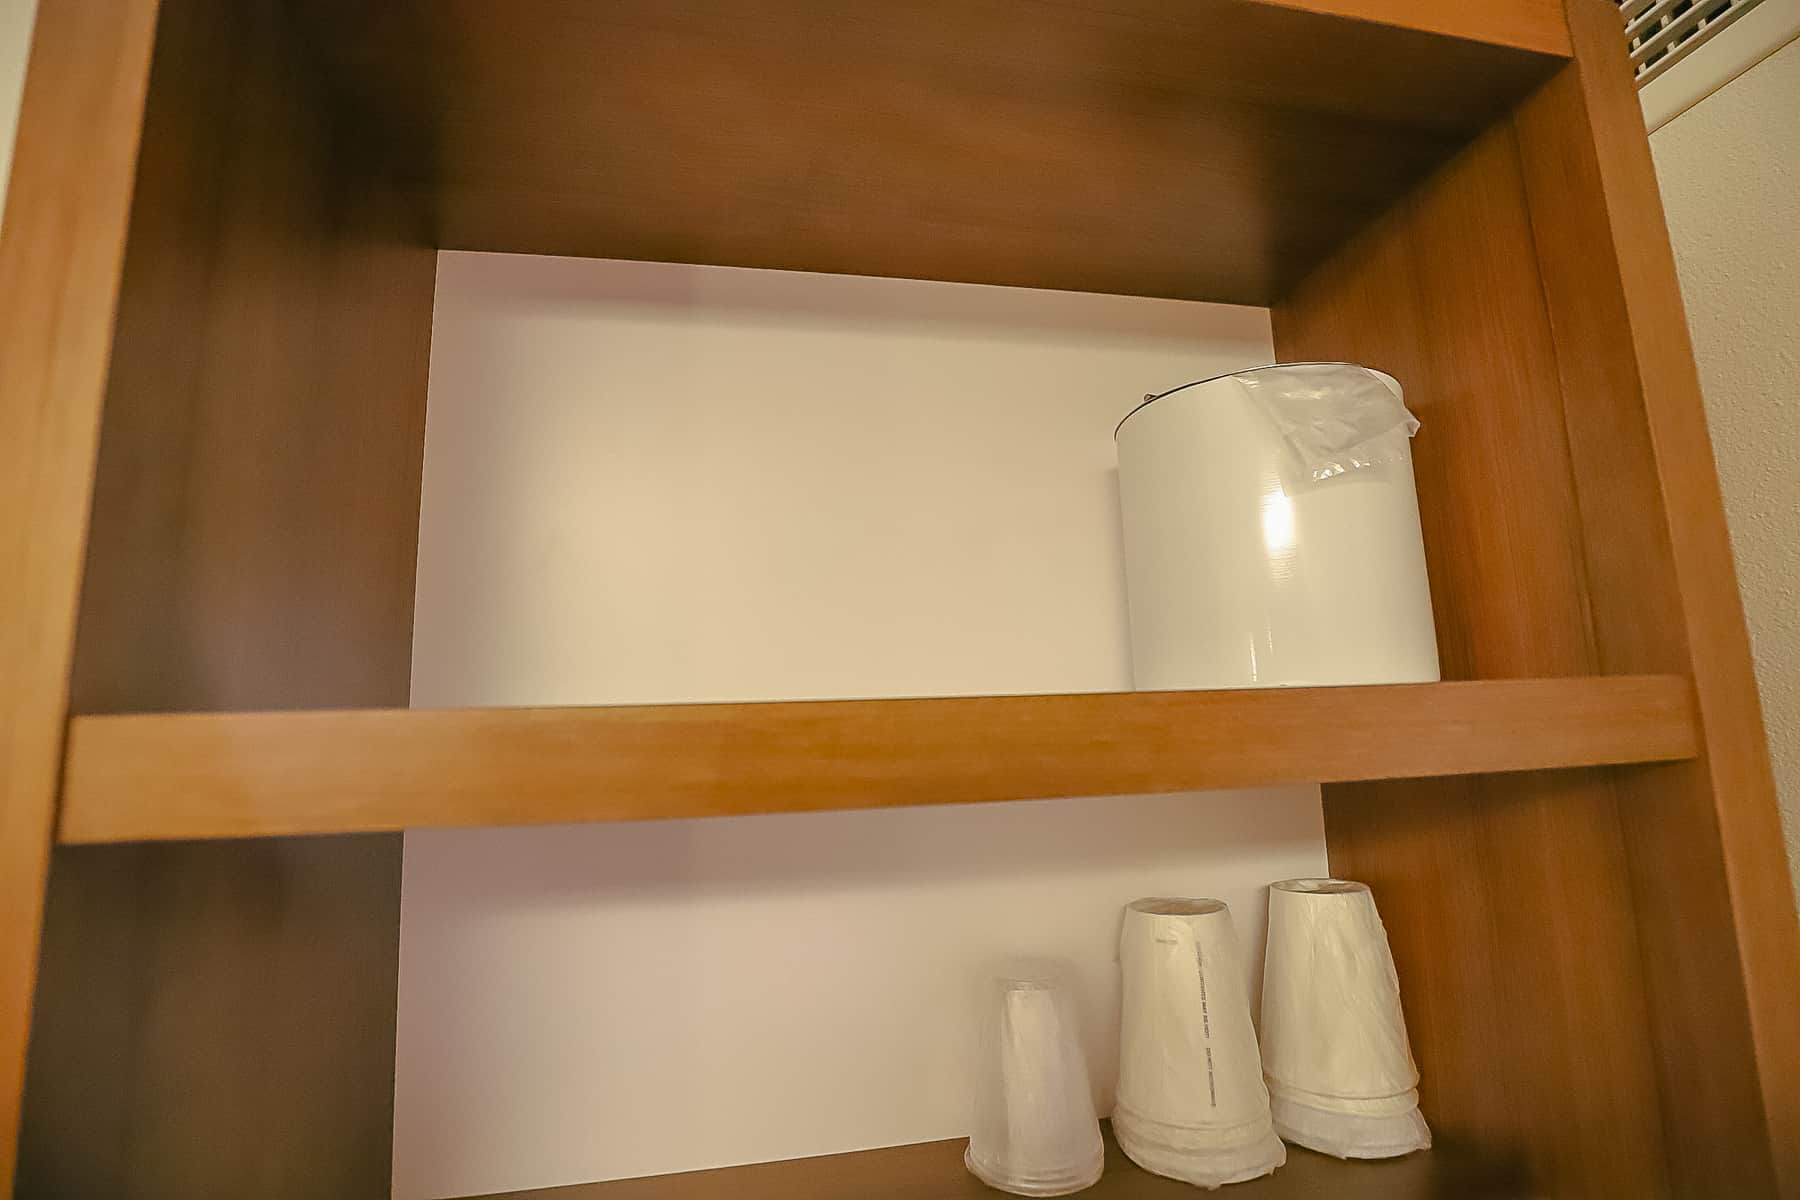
x,y
1663,32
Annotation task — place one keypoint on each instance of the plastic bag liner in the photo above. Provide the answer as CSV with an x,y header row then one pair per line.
x,y
1336,417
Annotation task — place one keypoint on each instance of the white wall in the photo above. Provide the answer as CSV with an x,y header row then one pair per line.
x,y
651,482
1730,174
15,44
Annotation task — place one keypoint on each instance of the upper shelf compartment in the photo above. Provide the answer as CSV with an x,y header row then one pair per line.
x,y
1197,149
202,775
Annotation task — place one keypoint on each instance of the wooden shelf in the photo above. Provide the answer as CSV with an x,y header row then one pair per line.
x,y
1205,149
934,1171
155,777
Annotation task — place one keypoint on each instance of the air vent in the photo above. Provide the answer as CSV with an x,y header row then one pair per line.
x,y
1663,32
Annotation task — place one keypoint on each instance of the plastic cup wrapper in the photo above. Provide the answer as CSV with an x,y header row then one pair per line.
x,y
1191,1104
1035,1132
1339,1067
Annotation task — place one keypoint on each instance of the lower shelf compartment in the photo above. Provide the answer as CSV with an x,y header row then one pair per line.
x,y
208,775
934,1171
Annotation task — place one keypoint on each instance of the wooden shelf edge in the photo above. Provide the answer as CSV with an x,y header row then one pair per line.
x,y
934,1171
211,775
1540,27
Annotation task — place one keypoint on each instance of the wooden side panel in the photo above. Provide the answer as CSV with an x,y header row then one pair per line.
x,y
256,507
1720,939
218,1021
1507,898
61,253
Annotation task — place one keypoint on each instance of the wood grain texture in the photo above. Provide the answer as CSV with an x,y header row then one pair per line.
x,y
1720,937
1507,898
218,1021
255,520
1209,149
260,774
62,246
1528,24
935,1171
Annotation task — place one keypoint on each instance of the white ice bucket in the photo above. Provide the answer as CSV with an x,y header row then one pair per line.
x,y
1243,567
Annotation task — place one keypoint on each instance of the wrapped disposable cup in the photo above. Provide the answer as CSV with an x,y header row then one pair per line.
x,y
1035,1132
1191,1101
1340,1071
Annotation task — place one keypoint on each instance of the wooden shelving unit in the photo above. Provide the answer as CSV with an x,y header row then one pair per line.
x,y
216,278
934,1171
208,775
